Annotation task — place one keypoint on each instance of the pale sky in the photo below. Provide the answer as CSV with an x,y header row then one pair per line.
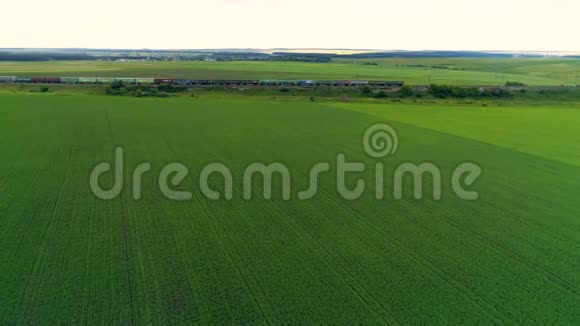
x,y
522,25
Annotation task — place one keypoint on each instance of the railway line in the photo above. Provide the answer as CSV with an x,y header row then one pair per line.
x,y
198,82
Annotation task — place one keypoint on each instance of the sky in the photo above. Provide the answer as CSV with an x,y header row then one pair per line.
x,y
510,25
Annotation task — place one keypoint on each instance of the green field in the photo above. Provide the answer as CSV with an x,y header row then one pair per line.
x,y
512,257
540,72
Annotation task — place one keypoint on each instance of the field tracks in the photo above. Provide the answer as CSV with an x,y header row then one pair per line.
x,y
422,261
27,194
331,261
38,263
125,237
225,243
501,249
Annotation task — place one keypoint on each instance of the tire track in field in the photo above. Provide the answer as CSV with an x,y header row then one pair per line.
x,y
126,256
551,276
433,269
223,240
541,229
191,275
418,258
84,319
359,291
3,184
422,261
501,249
193,278
27,195
22,239
38,264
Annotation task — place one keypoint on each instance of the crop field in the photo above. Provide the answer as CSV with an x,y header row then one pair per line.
x,y
533,72
511,257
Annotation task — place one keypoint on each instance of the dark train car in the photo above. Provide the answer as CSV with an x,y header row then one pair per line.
x,y
359,83
45,80
325,83
395,83
382,83
306,83
233,82
183,82
267,82
163,81
250,82
287,83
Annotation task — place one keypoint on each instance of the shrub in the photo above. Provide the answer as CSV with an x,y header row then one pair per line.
x,y
381,94
445,91
366,90
406,91
514,84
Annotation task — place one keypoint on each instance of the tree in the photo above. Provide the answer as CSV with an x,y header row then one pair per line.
x,y
406,91
366,90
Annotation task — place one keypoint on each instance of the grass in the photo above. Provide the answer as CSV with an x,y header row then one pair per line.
x,y
540,130
543,72
510,258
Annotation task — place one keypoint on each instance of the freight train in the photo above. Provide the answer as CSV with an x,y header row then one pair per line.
x,y
199,82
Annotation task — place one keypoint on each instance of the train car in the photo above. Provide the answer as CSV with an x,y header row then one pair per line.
x,y
45,80
287,83
105,80
199,82
250,82
268,82
145,81
232,82
7,79
395,83
359,83
183,82
341,83
129,81
382,83
162,81
23,80
325,83
377,83
306,83
87,80
38,80
217,82
69,80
